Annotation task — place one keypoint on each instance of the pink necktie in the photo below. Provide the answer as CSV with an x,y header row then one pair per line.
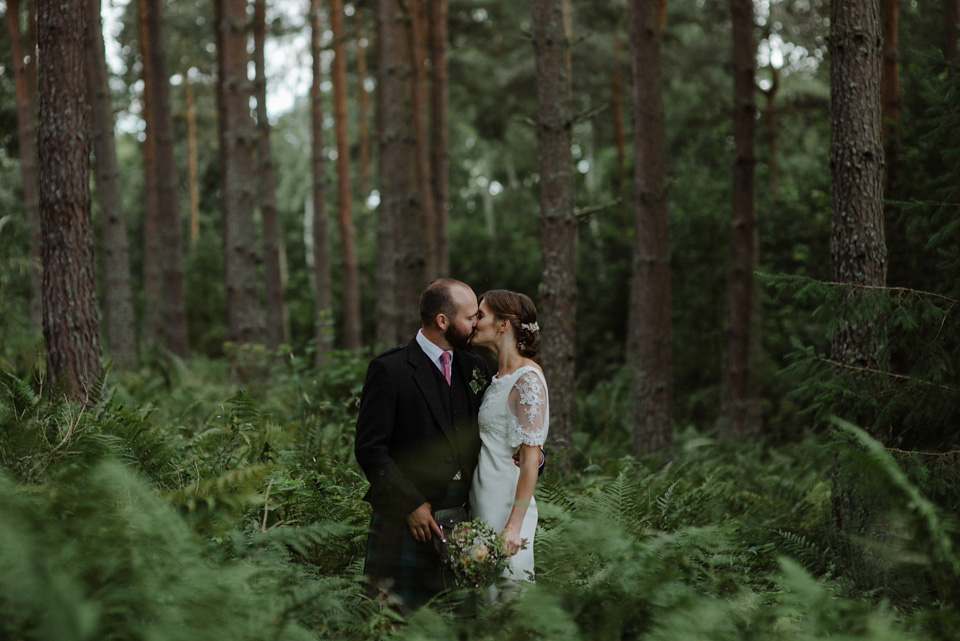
x,y
445,364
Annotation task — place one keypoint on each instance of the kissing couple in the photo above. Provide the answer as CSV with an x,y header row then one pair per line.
x,y
437,437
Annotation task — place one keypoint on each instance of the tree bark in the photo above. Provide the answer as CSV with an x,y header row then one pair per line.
x,y
857,245
71,328
770,115
244,319
348,253
115,250
173,308
649,327
193,179
558,225
152,278
22,49
418,56
439,147
276,310
363,110
323,313
735,382
951,9
890,87
617,108
399,200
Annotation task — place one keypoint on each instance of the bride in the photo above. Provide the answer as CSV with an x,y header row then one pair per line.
x,y
514,419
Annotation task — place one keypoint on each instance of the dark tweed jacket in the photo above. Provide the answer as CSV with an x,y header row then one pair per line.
x,y
406,445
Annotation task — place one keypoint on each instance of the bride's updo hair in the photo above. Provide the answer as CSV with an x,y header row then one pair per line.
x,y
522,314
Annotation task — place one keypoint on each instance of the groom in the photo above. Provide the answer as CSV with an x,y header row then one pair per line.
x,y
417,441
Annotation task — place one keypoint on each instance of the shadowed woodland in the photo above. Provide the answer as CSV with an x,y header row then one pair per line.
x,y
739,222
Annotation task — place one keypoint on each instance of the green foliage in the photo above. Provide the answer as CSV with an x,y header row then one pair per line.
x,y
192,516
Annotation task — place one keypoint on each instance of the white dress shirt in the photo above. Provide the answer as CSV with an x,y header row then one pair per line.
x,y
433,351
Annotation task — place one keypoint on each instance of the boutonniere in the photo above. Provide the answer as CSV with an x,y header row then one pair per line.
x,y
479,382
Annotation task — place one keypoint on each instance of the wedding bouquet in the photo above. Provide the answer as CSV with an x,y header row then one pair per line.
x,y
476,554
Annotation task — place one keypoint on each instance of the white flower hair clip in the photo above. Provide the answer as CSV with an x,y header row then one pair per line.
x,y
530,327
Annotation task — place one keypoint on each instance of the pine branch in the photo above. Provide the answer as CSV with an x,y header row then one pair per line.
x,y
586,212
898,290
871,370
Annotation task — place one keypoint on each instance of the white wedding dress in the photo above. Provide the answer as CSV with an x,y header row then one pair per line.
x,y
515,410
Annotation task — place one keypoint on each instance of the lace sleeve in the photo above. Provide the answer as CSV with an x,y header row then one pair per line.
x,y
529,404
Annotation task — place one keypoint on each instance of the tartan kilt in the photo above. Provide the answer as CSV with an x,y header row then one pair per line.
x,y
397,563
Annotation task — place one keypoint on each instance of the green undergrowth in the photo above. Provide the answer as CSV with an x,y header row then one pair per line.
x,y
182,506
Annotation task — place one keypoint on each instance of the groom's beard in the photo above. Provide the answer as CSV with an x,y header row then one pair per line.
x,y
456,338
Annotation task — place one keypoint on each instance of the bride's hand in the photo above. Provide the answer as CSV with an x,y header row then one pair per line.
x,y
511,539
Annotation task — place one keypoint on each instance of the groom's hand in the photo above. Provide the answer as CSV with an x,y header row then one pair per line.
x,y
421,524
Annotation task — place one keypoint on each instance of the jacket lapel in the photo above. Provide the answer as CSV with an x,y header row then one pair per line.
x,y
427,383
461,368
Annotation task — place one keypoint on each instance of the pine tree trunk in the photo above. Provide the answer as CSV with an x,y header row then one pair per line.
x,y
152,279
858,249
399,200
558,224
71,328
387,323
193,179
363,111
617,108
117,293
890,87
951,10
770,116
439,147
173,308
276,311
735,383
649,348
419,104
244,319
25,86
323,313
348,253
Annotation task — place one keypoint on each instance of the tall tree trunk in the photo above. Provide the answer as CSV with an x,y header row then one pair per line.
x,y
770,115
735,378
152,275
348,253
276,311
649,328
244,318
117,293
71,327
363,111
617,107
857,245
173,309
890,87
558,224
439,147
22,48
323,313
418,57
399,200
387,323
193,178
951,10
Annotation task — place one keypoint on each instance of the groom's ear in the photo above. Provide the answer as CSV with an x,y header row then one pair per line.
x,y
442,321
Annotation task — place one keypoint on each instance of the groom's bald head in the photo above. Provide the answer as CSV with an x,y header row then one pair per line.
x,y
440,297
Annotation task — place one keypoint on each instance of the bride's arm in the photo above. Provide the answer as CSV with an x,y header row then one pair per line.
x,y
529,463
528,402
